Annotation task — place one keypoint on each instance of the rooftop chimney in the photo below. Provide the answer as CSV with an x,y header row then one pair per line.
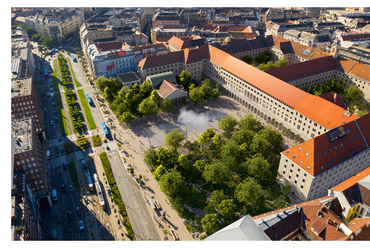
x,y
335,97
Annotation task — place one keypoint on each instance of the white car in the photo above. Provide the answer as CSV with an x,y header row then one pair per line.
x,y
81,225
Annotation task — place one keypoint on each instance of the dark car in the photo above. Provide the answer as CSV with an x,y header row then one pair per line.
x,y
78,210
70,217
64,189
62,150
64,166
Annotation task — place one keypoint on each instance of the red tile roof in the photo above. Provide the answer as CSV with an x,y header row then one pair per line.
x,y
309,68
360,223
176,42
167,88
355,37
361,71
107,46
323,112
352,180
363,124
265,82
334,98
142,47
318,155
306,219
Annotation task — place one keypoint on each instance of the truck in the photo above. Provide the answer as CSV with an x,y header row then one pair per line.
x,y
87,174
98,191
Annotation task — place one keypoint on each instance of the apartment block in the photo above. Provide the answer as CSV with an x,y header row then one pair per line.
x,y
29,157
25,104
315,166
58,25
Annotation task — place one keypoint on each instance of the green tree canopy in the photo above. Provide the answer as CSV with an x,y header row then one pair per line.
x,y
199,165
161,170
108,95
167,105
217,196
216,173
154,97
248,59
150,157
250,123
231,148
167,157
206,136
174,138
185,79
248,192
227,209
146,88
352,93
215,94
257,166
264,57
170,183
228,125
197,95
210,223
126,118
147,107
243,135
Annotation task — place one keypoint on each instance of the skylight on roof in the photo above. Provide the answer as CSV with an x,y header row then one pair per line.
x,y
301,162
322,167
308,167
294,156
307,153
300,148
306,52
287,152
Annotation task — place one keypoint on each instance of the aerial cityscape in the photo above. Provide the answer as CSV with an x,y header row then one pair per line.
x,y
190,124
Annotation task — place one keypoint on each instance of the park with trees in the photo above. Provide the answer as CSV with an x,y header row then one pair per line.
x,y
226,175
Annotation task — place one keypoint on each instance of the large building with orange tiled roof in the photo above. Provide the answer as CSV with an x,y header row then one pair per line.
x,y
267,96
315,166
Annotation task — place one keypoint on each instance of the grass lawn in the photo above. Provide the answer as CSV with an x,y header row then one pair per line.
x,y
86,108
70,67
61,115
55,77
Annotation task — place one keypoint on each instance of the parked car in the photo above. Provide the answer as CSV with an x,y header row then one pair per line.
x,y
81,225
60,138
70,216
71,187
105,140
78,210
107,147
51,123
64,166
64,189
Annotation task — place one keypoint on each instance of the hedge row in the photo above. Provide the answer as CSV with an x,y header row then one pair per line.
x,y
86,108
55,77
74,111
96,140
116,194
82,142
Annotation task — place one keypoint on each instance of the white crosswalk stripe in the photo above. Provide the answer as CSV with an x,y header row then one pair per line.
x,y
58,161
79,155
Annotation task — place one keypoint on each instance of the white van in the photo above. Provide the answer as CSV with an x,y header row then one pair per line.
x,y
48,156
54,194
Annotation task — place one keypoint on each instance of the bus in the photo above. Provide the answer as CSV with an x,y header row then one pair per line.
x,y
74,58
52,51
46,72
89,99
87,174
106,130
98,191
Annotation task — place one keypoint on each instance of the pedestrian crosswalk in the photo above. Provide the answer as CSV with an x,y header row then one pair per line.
x,y
58,161
79,155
